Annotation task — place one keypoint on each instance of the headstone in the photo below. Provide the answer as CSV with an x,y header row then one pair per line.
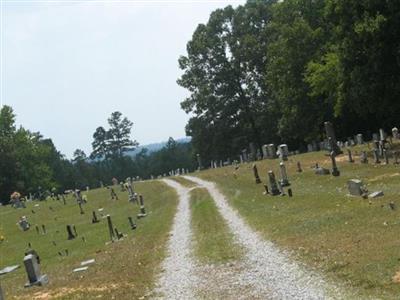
x,y
32,269
110,228
375,137
284,178
255,172
355,187
264,151
310,148
299,169
382,135
94,218
386,156
37,229
24,224
350,157
290,192
132,223
44,229
395,133
335,170
142,213
245,156
273,184
271,150
283,152
321,171
360,139
330,133
71,235
363,157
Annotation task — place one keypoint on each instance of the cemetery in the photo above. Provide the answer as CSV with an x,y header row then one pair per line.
x,y
130,261
343,224
199,150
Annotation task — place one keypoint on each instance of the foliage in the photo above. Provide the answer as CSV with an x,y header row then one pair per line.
x,y
273,71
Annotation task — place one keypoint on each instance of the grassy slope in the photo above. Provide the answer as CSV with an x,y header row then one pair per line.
x,y
213,241
124,269
346,237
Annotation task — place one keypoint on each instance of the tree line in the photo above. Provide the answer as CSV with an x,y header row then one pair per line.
x,y
29,162
273,71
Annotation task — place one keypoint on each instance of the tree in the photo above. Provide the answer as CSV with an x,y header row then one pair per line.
x,y
298,34
99,144
223,71
364,59
119,135
79,155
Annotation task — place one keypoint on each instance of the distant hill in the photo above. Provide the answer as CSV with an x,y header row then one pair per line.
x,y
155,146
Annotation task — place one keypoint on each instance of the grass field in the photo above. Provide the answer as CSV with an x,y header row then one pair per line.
x,y
125,269
353,240
213,240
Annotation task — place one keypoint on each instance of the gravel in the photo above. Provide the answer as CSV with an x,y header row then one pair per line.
x,y
178,278
271,271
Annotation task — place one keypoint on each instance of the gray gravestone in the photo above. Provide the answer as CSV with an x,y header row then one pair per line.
x,y
360,139
284,178
382,135
110,228
335,170
94,218
265,151
363,157
355,187
32,269
271,149
131,223
272,183
255,172
386,156
330,133
71,235
395,133
283,152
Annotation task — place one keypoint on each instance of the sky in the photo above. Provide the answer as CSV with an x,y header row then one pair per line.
x,y
67,65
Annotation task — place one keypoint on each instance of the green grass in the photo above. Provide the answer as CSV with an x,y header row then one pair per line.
x,y
353,240
123,270
213,240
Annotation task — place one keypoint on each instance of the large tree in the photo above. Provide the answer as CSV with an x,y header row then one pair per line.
x,y
223,71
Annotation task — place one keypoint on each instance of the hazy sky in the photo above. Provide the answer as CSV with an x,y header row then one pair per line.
x,y
68,64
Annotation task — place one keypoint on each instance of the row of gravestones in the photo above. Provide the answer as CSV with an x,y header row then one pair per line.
x,y
276,187
31,259
270,151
